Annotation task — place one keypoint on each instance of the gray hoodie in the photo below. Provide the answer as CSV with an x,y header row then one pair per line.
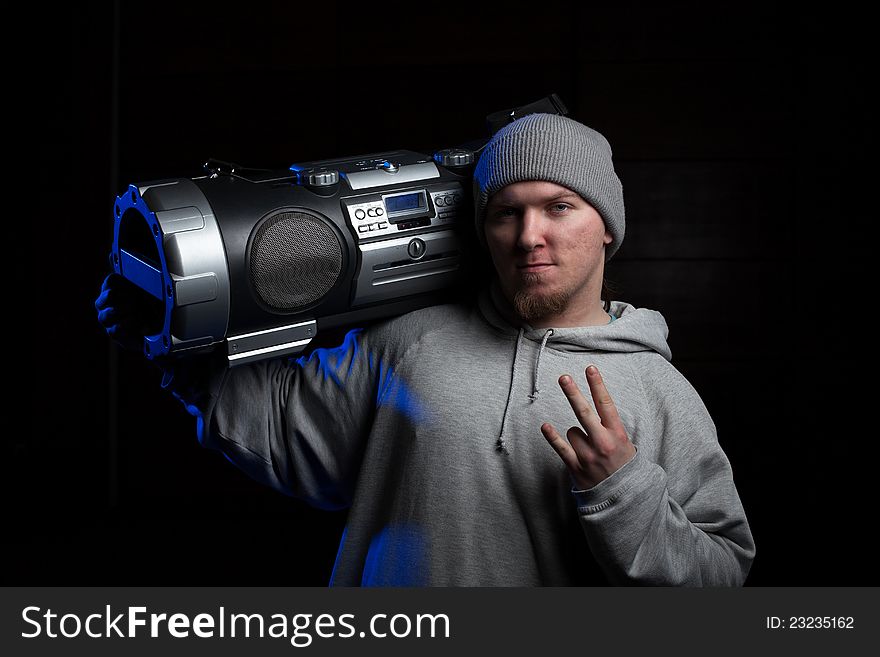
x,y
427,427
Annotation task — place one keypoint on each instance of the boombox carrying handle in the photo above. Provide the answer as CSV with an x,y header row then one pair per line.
x,y
551,104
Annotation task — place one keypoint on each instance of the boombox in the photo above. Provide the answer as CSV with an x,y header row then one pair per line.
x,y
256,262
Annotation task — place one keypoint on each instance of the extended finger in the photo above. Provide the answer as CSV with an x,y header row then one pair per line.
x,y
601,397
582,409
560,445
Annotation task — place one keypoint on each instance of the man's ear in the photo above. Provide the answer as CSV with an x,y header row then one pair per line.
x,y
608,237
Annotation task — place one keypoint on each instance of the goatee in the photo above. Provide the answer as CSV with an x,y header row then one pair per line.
x,y
531,306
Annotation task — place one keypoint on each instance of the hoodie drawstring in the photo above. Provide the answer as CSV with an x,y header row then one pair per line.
x,y
499,444
535,390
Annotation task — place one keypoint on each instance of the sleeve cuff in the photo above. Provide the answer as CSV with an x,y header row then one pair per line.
x,y
606,491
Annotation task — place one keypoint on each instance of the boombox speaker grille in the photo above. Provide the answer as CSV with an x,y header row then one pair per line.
x,y
296,259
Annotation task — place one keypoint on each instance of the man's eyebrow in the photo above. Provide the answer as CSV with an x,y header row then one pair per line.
x,y
564,195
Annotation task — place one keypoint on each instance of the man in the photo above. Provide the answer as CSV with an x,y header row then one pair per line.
x,y
428,426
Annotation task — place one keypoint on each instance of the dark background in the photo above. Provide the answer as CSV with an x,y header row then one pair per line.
x,y
740,134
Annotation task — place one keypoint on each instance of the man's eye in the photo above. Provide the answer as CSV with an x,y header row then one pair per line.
x,y
559,208
502,212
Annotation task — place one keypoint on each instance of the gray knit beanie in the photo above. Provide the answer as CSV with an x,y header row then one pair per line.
x,y
557,149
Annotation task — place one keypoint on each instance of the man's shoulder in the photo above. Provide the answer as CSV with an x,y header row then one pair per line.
x,y
414,325
661,380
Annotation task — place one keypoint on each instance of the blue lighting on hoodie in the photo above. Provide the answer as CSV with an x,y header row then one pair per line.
x,y
396,557
391,392
395,394
327,361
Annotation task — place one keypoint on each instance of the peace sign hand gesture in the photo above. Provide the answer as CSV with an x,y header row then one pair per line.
x,y
599,449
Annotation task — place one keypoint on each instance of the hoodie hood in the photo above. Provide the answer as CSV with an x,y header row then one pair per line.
x,y
632,330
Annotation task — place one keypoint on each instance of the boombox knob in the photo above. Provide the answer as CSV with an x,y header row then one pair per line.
x,y
454,157
320,177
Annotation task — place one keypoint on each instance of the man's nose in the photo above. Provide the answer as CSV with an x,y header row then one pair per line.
x,y
531,233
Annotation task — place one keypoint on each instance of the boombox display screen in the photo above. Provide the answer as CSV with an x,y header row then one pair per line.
x,y
257,262
401,203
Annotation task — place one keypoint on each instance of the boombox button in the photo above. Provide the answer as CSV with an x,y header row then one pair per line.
x,y
416,249
363,229
360,214
379,212
440,200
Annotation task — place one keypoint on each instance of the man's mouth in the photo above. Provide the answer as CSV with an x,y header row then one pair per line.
x,y
538,266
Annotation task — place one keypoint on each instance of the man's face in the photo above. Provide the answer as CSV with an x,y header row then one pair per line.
x,y
548,247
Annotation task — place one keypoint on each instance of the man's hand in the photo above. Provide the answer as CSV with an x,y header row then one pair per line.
x,y
599,449
121,313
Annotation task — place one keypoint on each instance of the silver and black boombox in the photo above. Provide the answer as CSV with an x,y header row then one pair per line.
x,y
261,259
257,262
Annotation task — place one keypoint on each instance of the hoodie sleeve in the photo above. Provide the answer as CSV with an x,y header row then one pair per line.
x,y
297,425
675,520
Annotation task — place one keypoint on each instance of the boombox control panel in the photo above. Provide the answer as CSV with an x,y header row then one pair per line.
x,y
401,208
390,193
380,216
